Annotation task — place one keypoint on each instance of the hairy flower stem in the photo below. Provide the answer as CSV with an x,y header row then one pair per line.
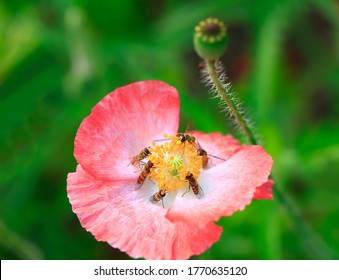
x,y
317,247
225,96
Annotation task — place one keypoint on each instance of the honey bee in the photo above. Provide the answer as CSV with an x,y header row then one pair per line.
x,y
144,173
186,137
183,137
204,158
143,154
158,196
193,183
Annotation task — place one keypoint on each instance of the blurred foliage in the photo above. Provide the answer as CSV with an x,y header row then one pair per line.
x,y
59,58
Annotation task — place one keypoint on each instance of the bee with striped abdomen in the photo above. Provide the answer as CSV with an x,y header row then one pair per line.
x,y
204,156
186,137
158,196
142,155
194,185
144,173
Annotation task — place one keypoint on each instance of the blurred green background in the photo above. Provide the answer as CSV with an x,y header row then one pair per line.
x,y
59,58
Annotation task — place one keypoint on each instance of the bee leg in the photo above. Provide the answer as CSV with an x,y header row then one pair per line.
x,y
141,164
218,159
151,181
211,161
163,206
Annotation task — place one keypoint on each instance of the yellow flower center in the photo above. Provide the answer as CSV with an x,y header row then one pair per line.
x,y
171,163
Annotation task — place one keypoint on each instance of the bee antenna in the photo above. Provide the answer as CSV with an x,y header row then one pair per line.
x,y
161,140
217,157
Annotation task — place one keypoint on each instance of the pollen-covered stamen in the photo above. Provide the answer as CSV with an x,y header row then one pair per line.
x,y
171,163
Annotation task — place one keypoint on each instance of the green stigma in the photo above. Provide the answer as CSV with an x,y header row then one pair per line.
x,y
174,162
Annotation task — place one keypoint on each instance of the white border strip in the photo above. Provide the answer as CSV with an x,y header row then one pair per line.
x,y
133,269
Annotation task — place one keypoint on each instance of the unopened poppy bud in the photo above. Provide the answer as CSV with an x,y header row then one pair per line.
x,y
210,38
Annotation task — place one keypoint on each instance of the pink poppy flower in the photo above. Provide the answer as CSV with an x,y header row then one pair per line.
x,y
109,202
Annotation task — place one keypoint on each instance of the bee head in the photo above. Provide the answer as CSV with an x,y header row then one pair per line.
x,y
189,176
202,152
162,193
181,137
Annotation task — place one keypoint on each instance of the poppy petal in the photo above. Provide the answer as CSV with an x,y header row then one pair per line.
x,y
218,147
264,191
217,144
114,213
122,124
228,187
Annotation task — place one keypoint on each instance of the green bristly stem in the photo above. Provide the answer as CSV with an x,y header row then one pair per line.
x,y
311,240
224,95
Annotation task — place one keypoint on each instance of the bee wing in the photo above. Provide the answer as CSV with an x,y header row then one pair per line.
x,y
140,182
144,153
141,165
194,144
138,186
198,146
133,161
153,200
200,194
189,126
